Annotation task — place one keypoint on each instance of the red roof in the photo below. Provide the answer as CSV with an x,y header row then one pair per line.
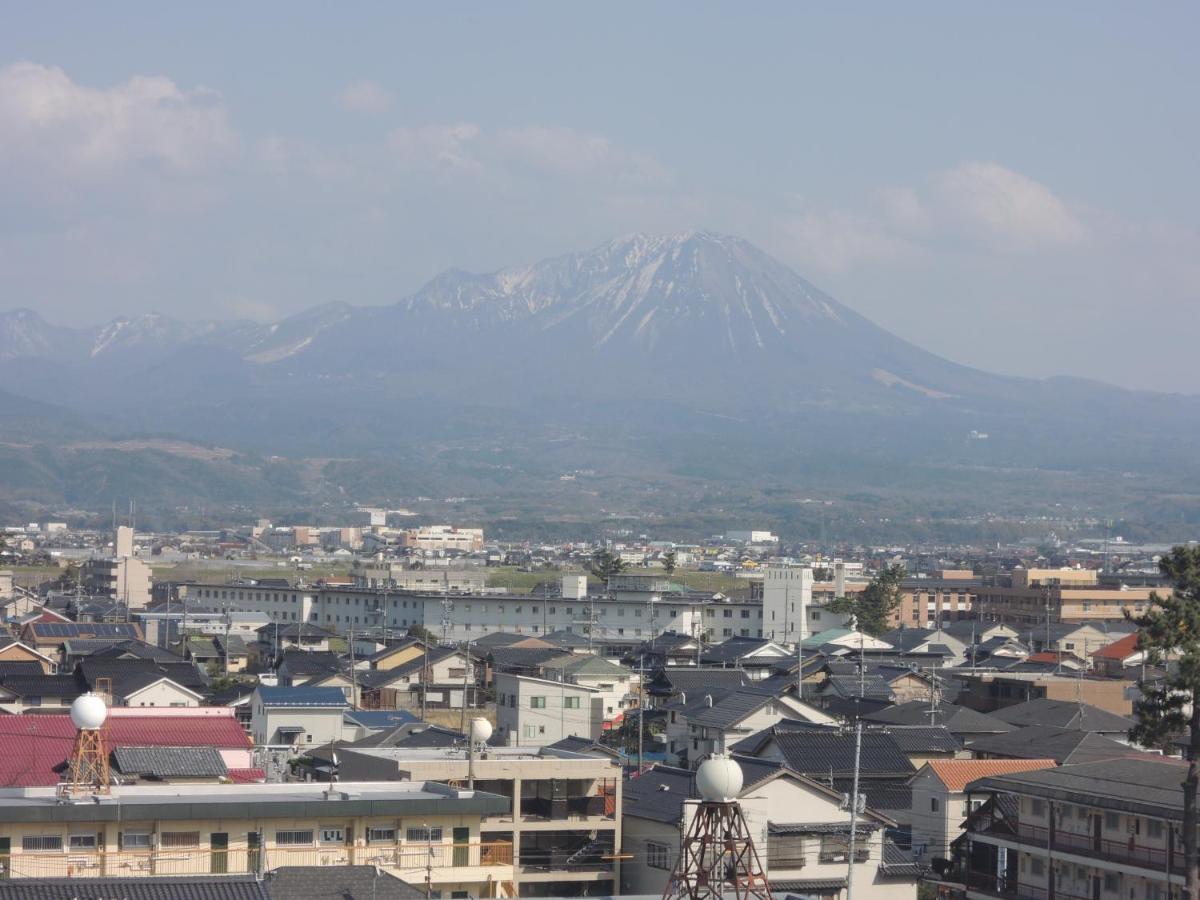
x,y
1118,650
32,747
247,776
956,774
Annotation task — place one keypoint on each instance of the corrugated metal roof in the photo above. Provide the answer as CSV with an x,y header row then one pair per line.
x,y
169,762
207,887
301,696
32,746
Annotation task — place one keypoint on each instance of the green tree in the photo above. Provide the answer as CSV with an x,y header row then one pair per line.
x,y
606,564
872,608
1170,632
669,561
421,633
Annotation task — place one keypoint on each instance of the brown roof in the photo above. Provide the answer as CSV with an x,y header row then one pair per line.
x,y
1118,650
956,774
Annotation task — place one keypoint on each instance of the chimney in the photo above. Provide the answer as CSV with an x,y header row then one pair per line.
x,y
839,578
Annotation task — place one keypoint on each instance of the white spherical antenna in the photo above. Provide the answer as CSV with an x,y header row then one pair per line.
x,y
88,712
481,730
719,779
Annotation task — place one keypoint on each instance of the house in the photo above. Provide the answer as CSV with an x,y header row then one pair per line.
x,y
48,637
666,650
965,724
22,692
14,651
1066,714
143,682
296,667
1115,660
924,640
939,799
972,632
669,683
1063,745
301,635
616,686
534,712
714,727
756,657
435,677
36,747
851,696
800,832
1109,830
844,638
296,716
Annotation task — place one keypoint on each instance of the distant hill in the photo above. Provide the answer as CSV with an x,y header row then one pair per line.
x,y
687,363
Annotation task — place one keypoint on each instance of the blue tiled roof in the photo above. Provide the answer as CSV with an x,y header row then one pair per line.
x,y
301,696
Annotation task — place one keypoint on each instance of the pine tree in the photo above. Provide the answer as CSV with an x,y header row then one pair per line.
x,y
1170,635
872,608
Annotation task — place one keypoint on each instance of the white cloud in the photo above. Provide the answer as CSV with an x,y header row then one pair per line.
x,y
50,122
365,97
1005,207
436,146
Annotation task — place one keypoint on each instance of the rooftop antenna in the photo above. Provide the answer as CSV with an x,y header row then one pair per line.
x,y
717,858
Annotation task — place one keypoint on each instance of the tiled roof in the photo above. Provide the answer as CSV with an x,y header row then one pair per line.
x,y
959,719
32,746
690,681
301,696
1064,714
247,776
203,887
1118,650
729,710
169,762
868,687
822,753
805,886
924,738
956,774
1060,744
337,883
65,686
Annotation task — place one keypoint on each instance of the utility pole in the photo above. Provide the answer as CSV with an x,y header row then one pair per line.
x,y
353,674
854,803
466,681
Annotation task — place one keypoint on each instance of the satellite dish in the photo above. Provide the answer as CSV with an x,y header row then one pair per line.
x,y
88,712
719,779
481,730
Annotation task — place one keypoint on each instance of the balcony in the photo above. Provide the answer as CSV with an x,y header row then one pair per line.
x,y
1089,845
1006,888
468,862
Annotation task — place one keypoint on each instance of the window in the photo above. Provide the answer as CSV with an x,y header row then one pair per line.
x,y
293,838
1112,882
35,843
537,702
1112,821
727,613
745,613
656,855
133,840
1037,806
934,805
530,731
570,703
175,839
83,841
333,834
381,835
424,835
1154,828
1037,866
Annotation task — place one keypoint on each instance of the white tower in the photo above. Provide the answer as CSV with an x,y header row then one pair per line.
x,y
787,594
87,771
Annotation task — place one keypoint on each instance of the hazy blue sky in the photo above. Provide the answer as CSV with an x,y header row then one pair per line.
x,y
1011,185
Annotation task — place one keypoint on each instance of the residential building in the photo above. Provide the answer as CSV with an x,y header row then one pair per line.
x,y
1031,597
1107,830
965,724
424,831
939,799
534,712
296,716
800,833
987,691
715,724
443,537
562,821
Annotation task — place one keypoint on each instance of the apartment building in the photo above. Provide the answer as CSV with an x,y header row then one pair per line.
x,y
423,832
1033,596
534,712
988,691
1097,831
443,537
562,821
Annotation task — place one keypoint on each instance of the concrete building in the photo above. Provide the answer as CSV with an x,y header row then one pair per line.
x,y
296,716
1030,597
1107,830
799,831
443,537
425,833
122,577
939,799
787,595
562,821
534,712
987,691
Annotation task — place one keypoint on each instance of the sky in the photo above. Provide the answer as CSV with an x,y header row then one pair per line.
x,y
1012,186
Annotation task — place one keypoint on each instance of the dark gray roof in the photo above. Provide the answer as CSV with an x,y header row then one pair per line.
x,y
310,662
700,680
337,883
806,886
1062,745
1144,786
659,794
869,687
9,667
959,719
907,638
729,710
130,674
889,796
898,862
820,754
924,738
735,649
842,827
302,696
204,887
1064,714
43,685
412,734
169,762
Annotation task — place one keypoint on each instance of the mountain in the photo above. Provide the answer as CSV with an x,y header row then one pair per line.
x,y
682,361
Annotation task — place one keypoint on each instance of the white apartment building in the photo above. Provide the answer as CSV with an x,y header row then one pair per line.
x,y
787,595
534,712
443,537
